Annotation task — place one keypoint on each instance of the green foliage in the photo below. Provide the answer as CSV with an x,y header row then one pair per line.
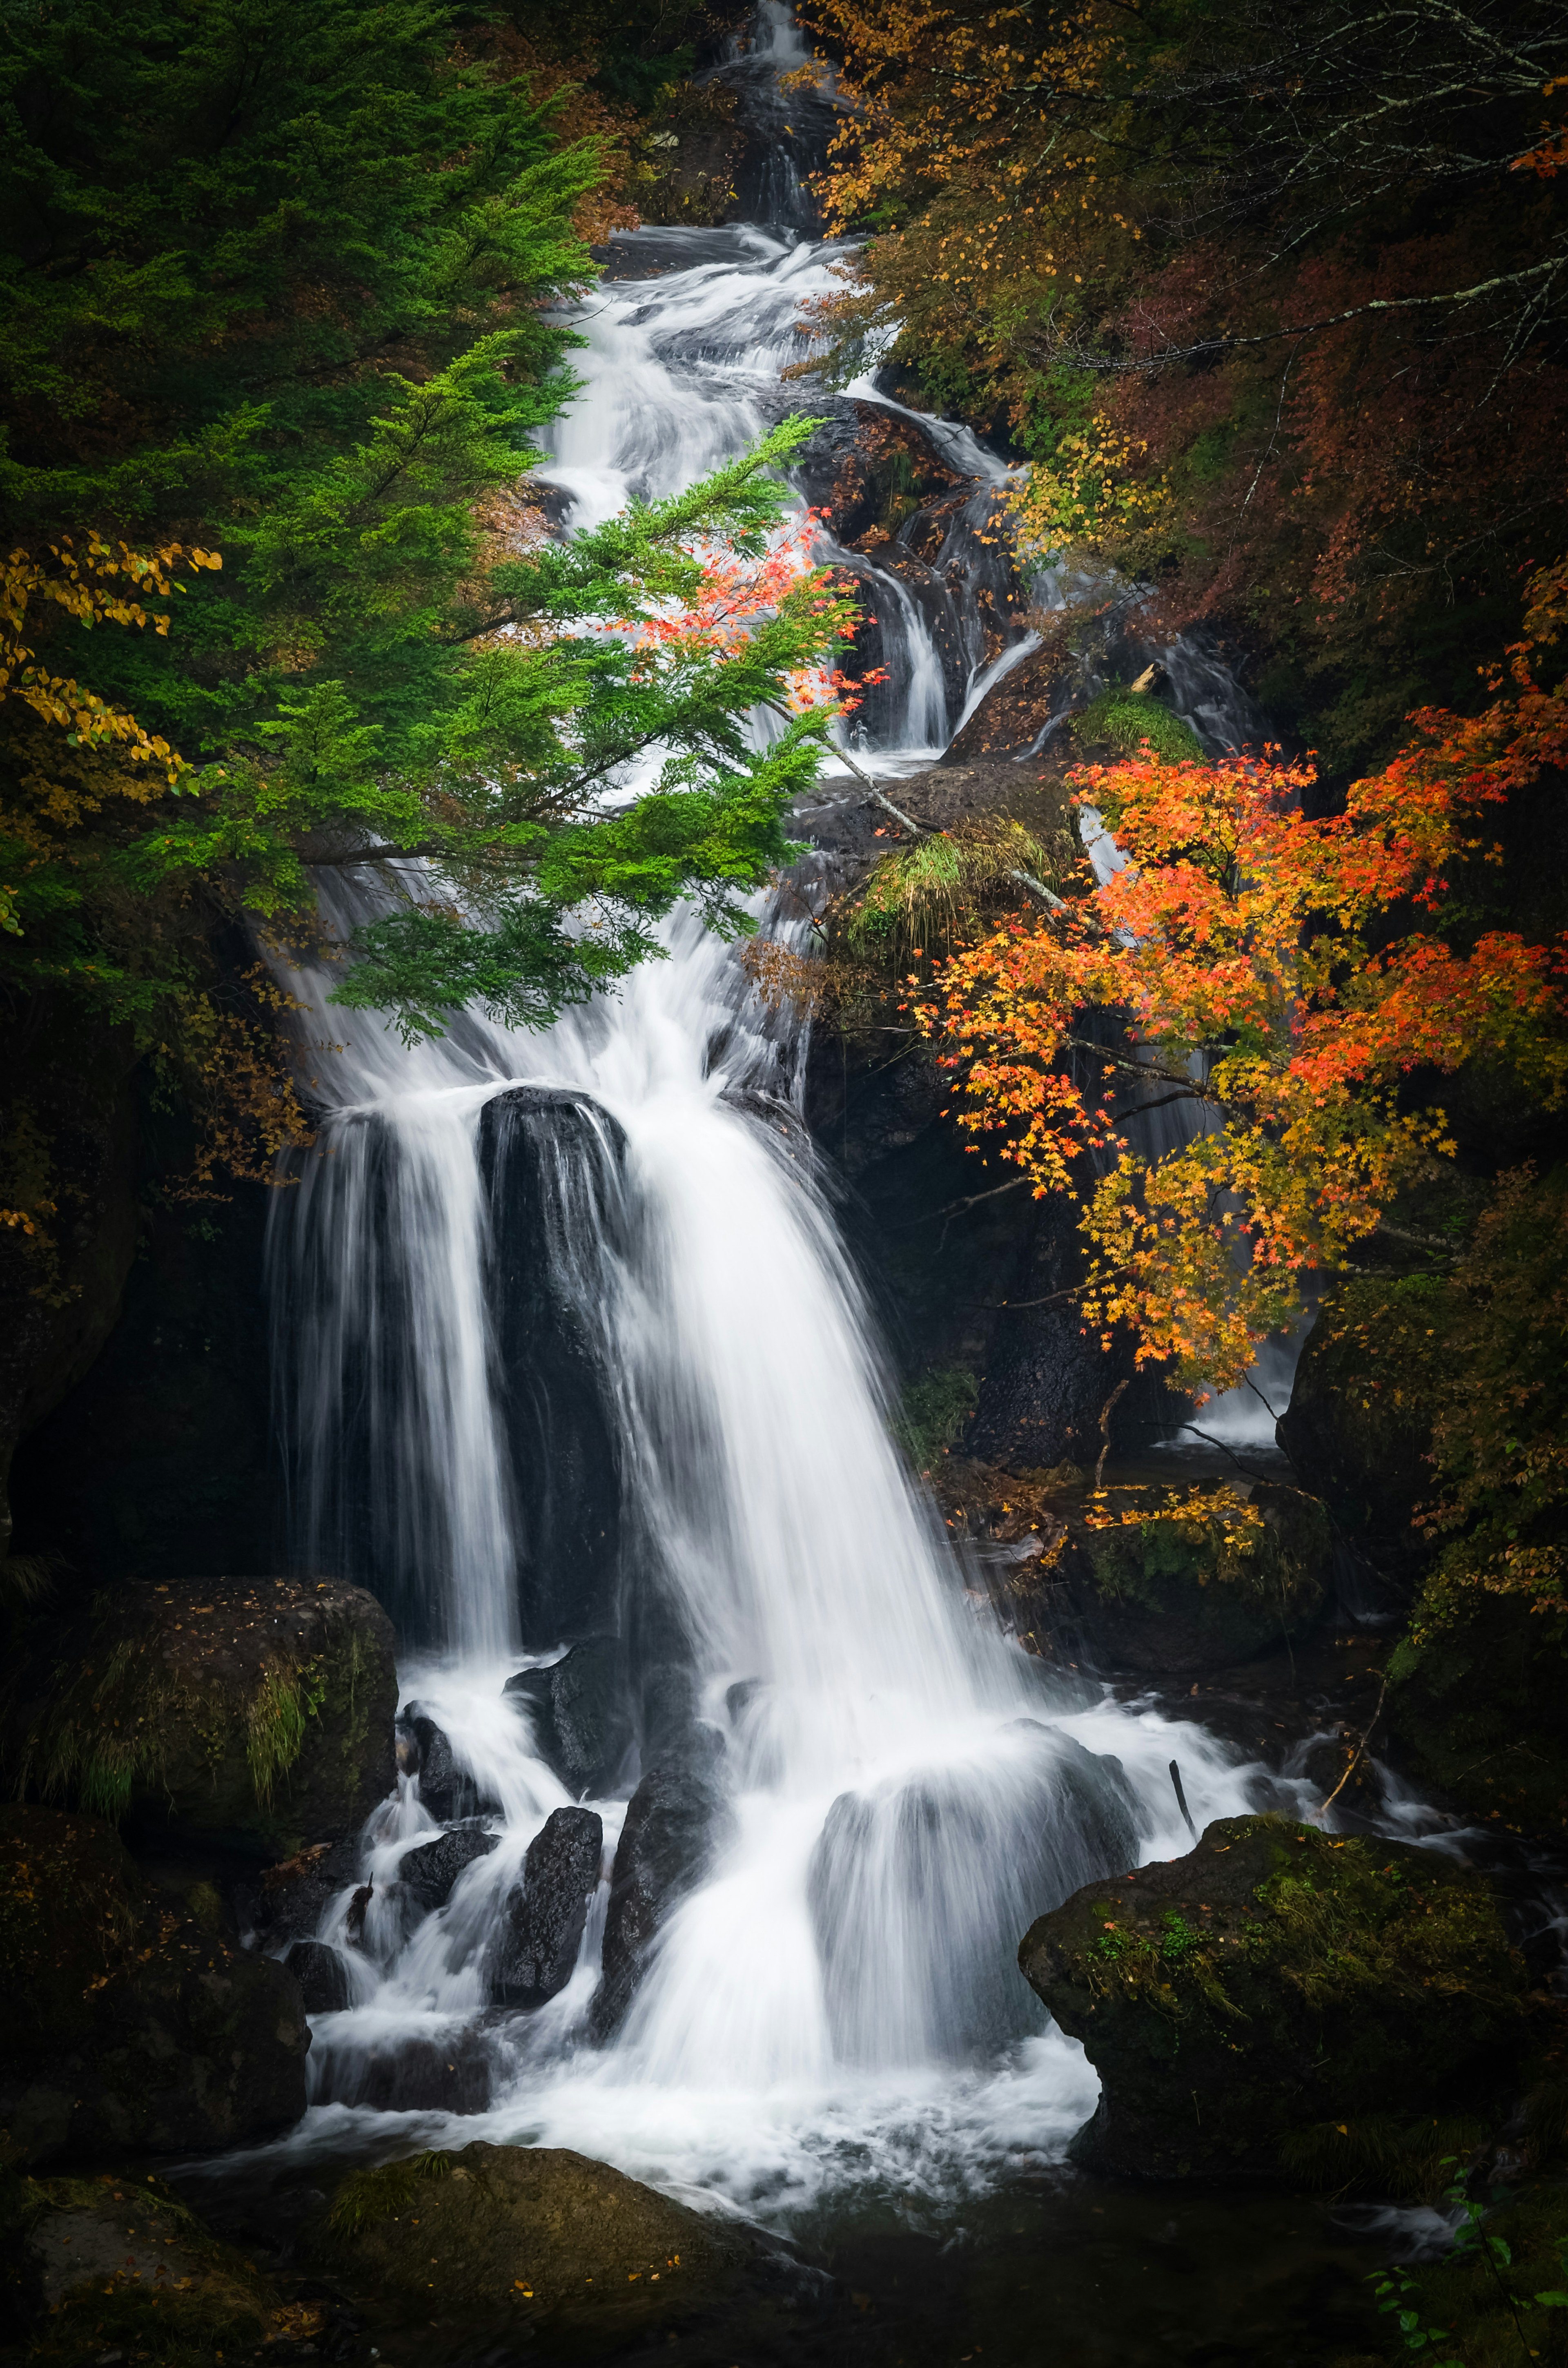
x,y
280,284
1508,2264
933,1413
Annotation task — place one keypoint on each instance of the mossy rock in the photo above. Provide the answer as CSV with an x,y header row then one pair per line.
x,y
129,2023
256,1714
1479,1712
1274,1979
1183,1580
526,2239
118,2265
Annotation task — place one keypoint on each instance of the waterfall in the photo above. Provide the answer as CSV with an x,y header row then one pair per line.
x,y
573,1364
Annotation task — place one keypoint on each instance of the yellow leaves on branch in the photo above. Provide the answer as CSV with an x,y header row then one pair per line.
x,y
1090,492
96,586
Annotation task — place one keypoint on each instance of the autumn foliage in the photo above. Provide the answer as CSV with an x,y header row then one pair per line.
x,y
1295,987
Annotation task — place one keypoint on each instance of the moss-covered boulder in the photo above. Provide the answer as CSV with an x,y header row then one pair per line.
x,y
256,1714
117,2268
1177,1579
128,2024
1274,1980
526,2239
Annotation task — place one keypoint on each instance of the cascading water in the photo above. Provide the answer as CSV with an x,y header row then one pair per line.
x,y
572,1356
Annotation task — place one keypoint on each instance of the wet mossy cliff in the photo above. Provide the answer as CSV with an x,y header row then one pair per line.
x,y
1277,1981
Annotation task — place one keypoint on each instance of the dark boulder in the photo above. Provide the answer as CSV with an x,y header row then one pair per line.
x,y
322,1973
262,1710
405,2072
288,1901
546,1911
1360,1444
447,1788
678,1820
429,1872
508,2236
1275,1989
130,2026
581,1720
551,1163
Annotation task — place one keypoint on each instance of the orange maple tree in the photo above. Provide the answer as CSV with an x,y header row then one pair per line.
x,y
1290,982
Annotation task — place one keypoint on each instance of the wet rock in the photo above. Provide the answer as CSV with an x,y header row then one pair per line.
x,y
405,2072
262,1709
1015,711
322,1975
551,1163
963,1855
668,1708
513,2236
429,1872
446,1787
582,1719
130,2026
679,1819
546,1911
289,1900
1276,1983
862,461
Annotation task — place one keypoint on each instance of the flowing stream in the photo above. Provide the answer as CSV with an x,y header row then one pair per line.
x,y
571,1350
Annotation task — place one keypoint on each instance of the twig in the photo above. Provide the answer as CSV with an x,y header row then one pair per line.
x,y
1181,1800
1360,1747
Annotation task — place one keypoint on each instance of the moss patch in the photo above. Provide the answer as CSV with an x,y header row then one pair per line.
x,y
1123,720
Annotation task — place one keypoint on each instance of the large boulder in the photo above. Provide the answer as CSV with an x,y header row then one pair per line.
x,y
129,2026
548,1910
520,2239
581,1717
1276,1980
552,1162
252,1713
678,1820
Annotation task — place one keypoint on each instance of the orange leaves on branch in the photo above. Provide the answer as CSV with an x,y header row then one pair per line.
x,y
1280,979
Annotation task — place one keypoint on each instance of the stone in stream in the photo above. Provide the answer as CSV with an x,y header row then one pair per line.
x,y
546,1911
955,1858
552,1166
582,1721
679,1818
287,1901
130,2026
322,1973
429,1872
525,2234
446,1787
1267,2006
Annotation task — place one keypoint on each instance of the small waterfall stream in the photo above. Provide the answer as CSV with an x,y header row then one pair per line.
x,y
572,1356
